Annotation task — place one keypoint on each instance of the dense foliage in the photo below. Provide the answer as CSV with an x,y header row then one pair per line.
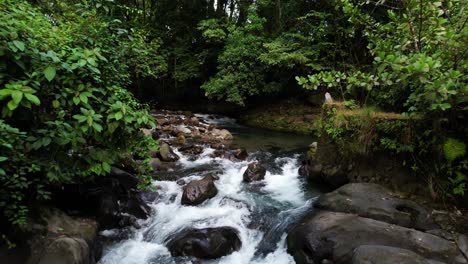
x,y
67,68
65,115
419,67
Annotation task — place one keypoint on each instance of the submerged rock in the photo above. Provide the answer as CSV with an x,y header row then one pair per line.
x,y
198,191
334,236
376,202
207,243
255,172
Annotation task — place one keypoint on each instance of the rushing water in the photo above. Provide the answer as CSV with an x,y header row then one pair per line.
x,y
261,212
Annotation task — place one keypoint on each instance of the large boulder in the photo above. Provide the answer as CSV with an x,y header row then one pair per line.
x,y
376,202
386,255
334,236
166,153
58,238
333,166
255,172
207,243
198,191
66,250
310,170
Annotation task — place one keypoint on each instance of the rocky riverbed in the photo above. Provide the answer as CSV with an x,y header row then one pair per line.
x,y
225,196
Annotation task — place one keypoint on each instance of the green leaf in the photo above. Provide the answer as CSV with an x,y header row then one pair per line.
x,y
17,96
49,73
97,127
12,105
76,100
3,159
118,115
84,98
454,149
19,44
33,99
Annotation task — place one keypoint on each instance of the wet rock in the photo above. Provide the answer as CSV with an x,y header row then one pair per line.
x,y
334,236
462,242
59,238
441,233
66,250
255,172
181,182
183,129
386,255
222,134
166,153
198,191
192,149
181,139
136,206
374,201
127,180
310,170
334,167
207,243
193,121
108,211
241,154
161,121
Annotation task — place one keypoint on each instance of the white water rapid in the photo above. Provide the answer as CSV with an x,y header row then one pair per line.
x,y
260,212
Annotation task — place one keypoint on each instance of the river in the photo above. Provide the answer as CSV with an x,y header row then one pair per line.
x,y
261,212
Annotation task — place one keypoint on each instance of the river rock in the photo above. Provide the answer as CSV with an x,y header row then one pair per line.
x,y
386,255
376,202
207,243
462,242
223,134
127,180
166,153
241,153
63,239
181,139
198,191
310,170
183,129
255,172
334,236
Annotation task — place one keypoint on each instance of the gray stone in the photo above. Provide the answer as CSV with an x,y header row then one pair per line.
x,y
374,201
66,250
334,236
462,242
166,153
385,255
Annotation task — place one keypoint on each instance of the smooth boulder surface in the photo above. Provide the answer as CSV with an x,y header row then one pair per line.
x,y
334,236
198,191
66,250
207,243
57,238
255,172
166,153
376,202
386,255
